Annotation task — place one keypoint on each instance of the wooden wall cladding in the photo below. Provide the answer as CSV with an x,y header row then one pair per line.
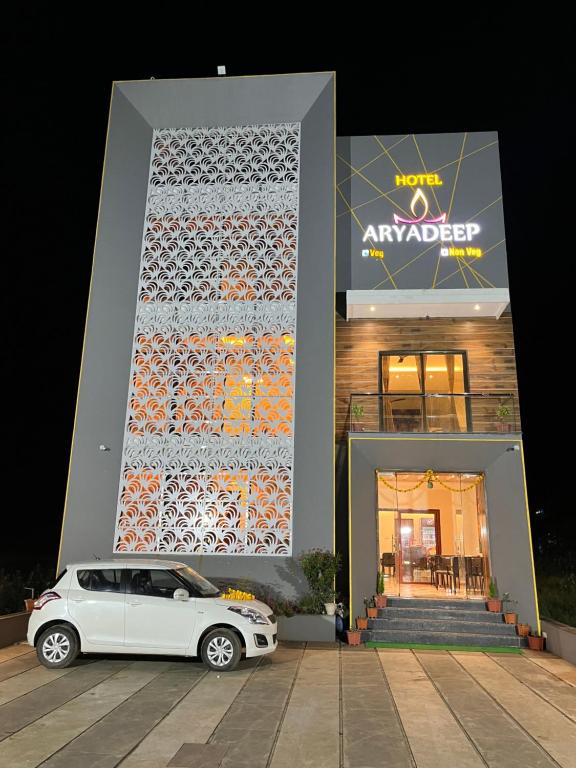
x,y
488,342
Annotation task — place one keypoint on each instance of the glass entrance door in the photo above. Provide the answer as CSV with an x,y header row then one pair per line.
x,y
419,535
432,534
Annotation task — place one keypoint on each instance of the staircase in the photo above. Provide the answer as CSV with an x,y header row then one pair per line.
x,y
441,622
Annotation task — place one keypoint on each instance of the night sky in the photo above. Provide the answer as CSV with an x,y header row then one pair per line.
x,y
53,149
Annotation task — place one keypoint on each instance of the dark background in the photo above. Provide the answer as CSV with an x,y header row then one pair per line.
x,y
53,138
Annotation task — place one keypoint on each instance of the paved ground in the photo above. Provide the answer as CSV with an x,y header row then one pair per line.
x,y
303,706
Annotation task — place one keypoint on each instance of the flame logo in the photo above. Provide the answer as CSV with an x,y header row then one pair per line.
x,y
419,201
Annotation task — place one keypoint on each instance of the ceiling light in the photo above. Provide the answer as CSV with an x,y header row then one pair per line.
x,y
372,309
476,307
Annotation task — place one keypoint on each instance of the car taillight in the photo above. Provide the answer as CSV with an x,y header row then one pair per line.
x,y
45,598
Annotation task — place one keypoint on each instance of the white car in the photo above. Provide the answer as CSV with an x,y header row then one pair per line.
x,y
146,606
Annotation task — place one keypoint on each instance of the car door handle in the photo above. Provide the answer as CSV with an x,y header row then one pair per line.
x,y
77,599
134,602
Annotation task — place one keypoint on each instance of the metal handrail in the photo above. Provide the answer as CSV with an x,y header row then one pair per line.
x,y
433,394
428,421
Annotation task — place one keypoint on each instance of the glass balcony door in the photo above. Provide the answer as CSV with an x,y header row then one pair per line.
x,y
423,392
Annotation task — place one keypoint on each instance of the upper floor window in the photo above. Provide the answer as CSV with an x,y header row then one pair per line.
x,y
423,391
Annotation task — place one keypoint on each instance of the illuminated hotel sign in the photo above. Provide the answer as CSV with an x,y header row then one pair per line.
x,y
423,227
419,179
422,211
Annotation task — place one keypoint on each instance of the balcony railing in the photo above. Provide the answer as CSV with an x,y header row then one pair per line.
x,y
447,413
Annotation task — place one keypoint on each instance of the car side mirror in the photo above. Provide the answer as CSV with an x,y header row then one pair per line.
x,y
181,594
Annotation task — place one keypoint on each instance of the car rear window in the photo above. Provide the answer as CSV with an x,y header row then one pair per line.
x,y
101,580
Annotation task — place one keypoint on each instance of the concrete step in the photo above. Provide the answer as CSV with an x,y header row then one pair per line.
x,y
441,624
440,613
453,605
427,637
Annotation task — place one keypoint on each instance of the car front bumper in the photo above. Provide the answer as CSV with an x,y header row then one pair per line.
x,y
261,640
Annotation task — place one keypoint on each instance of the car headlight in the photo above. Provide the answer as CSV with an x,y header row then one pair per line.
x,y
253,616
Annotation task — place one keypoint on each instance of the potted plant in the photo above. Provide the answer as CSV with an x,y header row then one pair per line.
x,y
330,608
353,636
535,641
371,610
494,604
361,622
380,598
320,567
523,630
510,617
357,412
503,413
29,601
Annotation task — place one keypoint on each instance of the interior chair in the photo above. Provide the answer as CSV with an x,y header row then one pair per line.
x,y
474,574
444,573
456,573
388,560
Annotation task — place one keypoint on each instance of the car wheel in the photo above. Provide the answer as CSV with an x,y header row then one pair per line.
x,y
221,650
57,647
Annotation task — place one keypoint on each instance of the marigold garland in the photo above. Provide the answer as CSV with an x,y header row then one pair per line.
x,y
430,476
237,594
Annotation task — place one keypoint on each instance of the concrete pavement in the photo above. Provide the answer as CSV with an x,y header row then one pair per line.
x,y
324,706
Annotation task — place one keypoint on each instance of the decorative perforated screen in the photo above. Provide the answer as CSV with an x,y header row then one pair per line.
x,y
208,447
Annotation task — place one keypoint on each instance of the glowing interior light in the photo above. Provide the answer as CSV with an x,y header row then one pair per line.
x,y
372,309
405,529
477,307
233,341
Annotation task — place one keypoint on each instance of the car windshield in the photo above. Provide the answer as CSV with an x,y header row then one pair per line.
x,y
198,583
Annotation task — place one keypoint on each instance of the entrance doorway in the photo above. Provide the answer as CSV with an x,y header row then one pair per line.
x,y
432,534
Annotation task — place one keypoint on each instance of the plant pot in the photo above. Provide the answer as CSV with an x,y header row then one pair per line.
x,y
381,601
361,622
330,609
372,613
353,637
511,618
494,605
523,630
535,643
29,603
